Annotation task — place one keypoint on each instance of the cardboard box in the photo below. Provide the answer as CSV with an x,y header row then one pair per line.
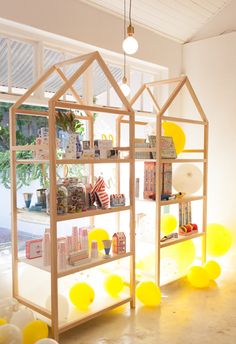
x,y
150,179
33,248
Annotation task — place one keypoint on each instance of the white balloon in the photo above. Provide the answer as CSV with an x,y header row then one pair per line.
x,y
10,334
22,318
187,178
46,341
7,306
63,307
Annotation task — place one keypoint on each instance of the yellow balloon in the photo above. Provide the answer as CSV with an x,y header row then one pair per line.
x,y
98,234
174,130
168,223
3,321
213,269
148,293
34,331
81,295
113,285
219,240
183,254
198,277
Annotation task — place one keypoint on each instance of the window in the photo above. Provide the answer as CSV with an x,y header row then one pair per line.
x,y
17,65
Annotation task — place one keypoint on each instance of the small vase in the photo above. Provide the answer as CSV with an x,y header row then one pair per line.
x,y
79,150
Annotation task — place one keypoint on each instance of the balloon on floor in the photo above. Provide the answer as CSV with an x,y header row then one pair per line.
x,y
198,277
213,269
148,293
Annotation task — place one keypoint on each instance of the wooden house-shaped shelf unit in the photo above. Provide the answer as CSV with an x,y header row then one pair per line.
x,y
199,155
57,102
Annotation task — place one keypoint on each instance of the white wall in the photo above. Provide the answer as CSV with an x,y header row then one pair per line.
x,y
211,67
82,22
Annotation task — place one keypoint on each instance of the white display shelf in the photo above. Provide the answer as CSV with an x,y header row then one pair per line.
x,y
70,269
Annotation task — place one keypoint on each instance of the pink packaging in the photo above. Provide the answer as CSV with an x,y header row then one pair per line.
x,y
33,248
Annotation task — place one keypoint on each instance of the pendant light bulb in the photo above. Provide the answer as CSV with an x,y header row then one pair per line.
x,y
124,87
130,44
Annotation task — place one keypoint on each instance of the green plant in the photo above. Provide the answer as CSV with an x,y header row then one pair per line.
x,y
25,173
67,121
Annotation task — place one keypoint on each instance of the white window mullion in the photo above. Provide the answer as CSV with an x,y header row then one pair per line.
x,y
38,68
9,64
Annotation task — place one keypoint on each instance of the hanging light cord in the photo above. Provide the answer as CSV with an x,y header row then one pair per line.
x,y
130,5
124,37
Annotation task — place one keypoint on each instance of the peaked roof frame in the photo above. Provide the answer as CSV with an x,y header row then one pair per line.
x,y
160,110
68,83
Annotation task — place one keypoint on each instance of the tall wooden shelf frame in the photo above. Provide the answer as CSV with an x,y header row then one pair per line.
x,y
53,104
159,114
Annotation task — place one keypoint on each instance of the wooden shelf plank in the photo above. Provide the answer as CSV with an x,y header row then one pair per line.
x,y
38,217
172,161
88,213
181,160
174,201
45,312
184,199
181,239
70,269
31,161
91,161
75,161
92,108
183,120
32,112
44,219
95,311
95,262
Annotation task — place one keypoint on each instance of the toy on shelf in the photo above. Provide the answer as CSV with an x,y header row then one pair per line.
x,y
170,236
186,227
99,195
107,248
150,179
119,243
33,248
117,200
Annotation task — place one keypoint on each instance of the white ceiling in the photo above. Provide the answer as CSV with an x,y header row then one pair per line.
x,y
177,19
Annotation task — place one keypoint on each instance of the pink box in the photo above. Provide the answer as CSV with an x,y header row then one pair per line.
x,y
33,248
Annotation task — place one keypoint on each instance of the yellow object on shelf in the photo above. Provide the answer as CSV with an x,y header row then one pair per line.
x,y
98,234
175,131
82,295
168,223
